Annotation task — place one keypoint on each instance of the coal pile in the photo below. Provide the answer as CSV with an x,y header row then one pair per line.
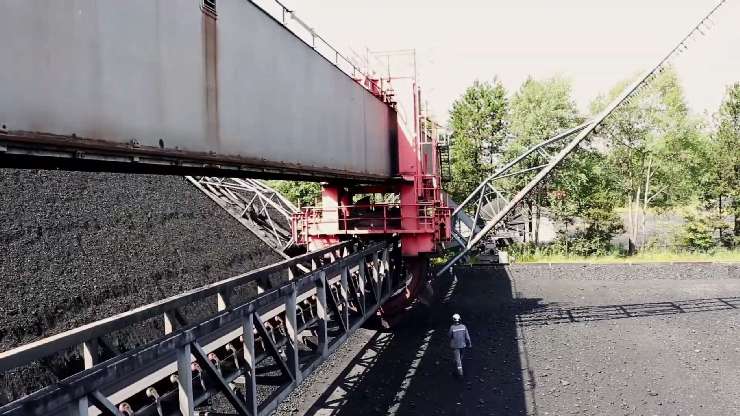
x,y
78,247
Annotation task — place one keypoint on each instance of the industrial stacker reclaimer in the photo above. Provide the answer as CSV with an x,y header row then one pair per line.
x,y
233,89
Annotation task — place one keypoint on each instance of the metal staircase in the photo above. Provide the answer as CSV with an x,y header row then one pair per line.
x,y
443,148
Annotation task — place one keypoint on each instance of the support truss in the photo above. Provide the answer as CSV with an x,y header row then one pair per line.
x,y
463,225
490,198
264,211
501,208
252,352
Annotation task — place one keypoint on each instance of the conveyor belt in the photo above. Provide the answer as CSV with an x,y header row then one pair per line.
x,y
269,342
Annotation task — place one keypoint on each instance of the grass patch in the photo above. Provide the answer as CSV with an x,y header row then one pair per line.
x,y
641,257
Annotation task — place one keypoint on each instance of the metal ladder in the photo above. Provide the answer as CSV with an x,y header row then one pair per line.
x,y
443,148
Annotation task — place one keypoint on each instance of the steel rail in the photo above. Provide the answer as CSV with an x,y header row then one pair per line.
x,y
314,35
211,343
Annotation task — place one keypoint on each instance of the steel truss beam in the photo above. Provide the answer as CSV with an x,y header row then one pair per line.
x,y
264,211
481,195
487,196
275,339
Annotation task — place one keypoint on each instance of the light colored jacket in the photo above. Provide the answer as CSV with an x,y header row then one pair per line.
x,y
459,337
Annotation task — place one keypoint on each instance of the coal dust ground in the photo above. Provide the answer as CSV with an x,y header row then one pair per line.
x,y
656,339
78,247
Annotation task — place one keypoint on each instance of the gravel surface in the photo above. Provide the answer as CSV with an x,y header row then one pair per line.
x,y
77,247
657,339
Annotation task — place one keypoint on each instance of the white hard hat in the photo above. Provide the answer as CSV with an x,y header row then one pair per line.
x,y
456,317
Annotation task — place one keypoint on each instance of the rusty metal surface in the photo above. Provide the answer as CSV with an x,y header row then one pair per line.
x,y
238,93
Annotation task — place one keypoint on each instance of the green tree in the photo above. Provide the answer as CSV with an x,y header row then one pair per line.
x,y
698,232
477,132
657,147
586,188
722,180
302,194
539,110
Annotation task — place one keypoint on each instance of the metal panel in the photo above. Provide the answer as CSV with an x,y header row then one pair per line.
x,y
166,82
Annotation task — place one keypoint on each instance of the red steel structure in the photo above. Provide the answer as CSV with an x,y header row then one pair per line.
x,y
410,206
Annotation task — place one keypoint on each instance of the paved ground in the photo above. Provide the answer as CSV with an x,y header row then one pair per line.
x,y
551,342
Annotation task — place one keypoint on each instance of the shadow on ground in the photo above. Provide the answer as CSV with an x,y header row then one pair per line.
x,y
553,313
408,371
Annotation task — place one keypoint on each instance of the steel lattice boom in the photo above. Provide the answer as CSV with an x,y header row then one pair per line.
x,y
480,194
264,211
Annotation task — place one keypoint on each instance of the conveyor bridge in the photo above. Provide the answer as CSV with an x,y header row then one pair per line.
x,y
161,86
224,89
254,350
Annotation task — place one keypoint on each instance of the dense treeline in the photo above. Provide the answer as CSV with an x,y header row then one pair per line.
x,y
652,155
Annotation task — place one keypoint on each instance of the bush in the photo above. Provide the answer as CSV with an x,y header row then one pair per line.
x,y
594,240
698,233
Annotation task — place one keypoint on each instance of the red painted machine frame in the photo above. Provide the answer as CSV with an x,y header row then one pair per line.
x,y
420,216
418,213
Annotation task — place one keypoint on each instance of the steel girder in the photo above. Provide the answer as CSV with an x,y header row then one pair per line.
x,y
254,352
66,104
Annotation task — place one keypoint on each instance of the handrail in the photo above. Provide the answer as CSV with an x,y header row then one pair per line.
x,y
381,88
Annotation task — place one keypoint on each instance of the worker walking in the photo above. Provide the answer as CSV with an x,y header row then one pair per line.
x,y
459,339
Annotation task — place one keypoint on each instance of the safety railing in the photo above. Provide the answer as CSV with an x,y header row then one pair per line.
x,y
429,186
241,348
381,218
290,20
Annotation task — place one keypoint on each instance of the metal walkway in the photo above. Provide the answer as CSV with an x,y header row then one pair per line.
x,y
252,350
